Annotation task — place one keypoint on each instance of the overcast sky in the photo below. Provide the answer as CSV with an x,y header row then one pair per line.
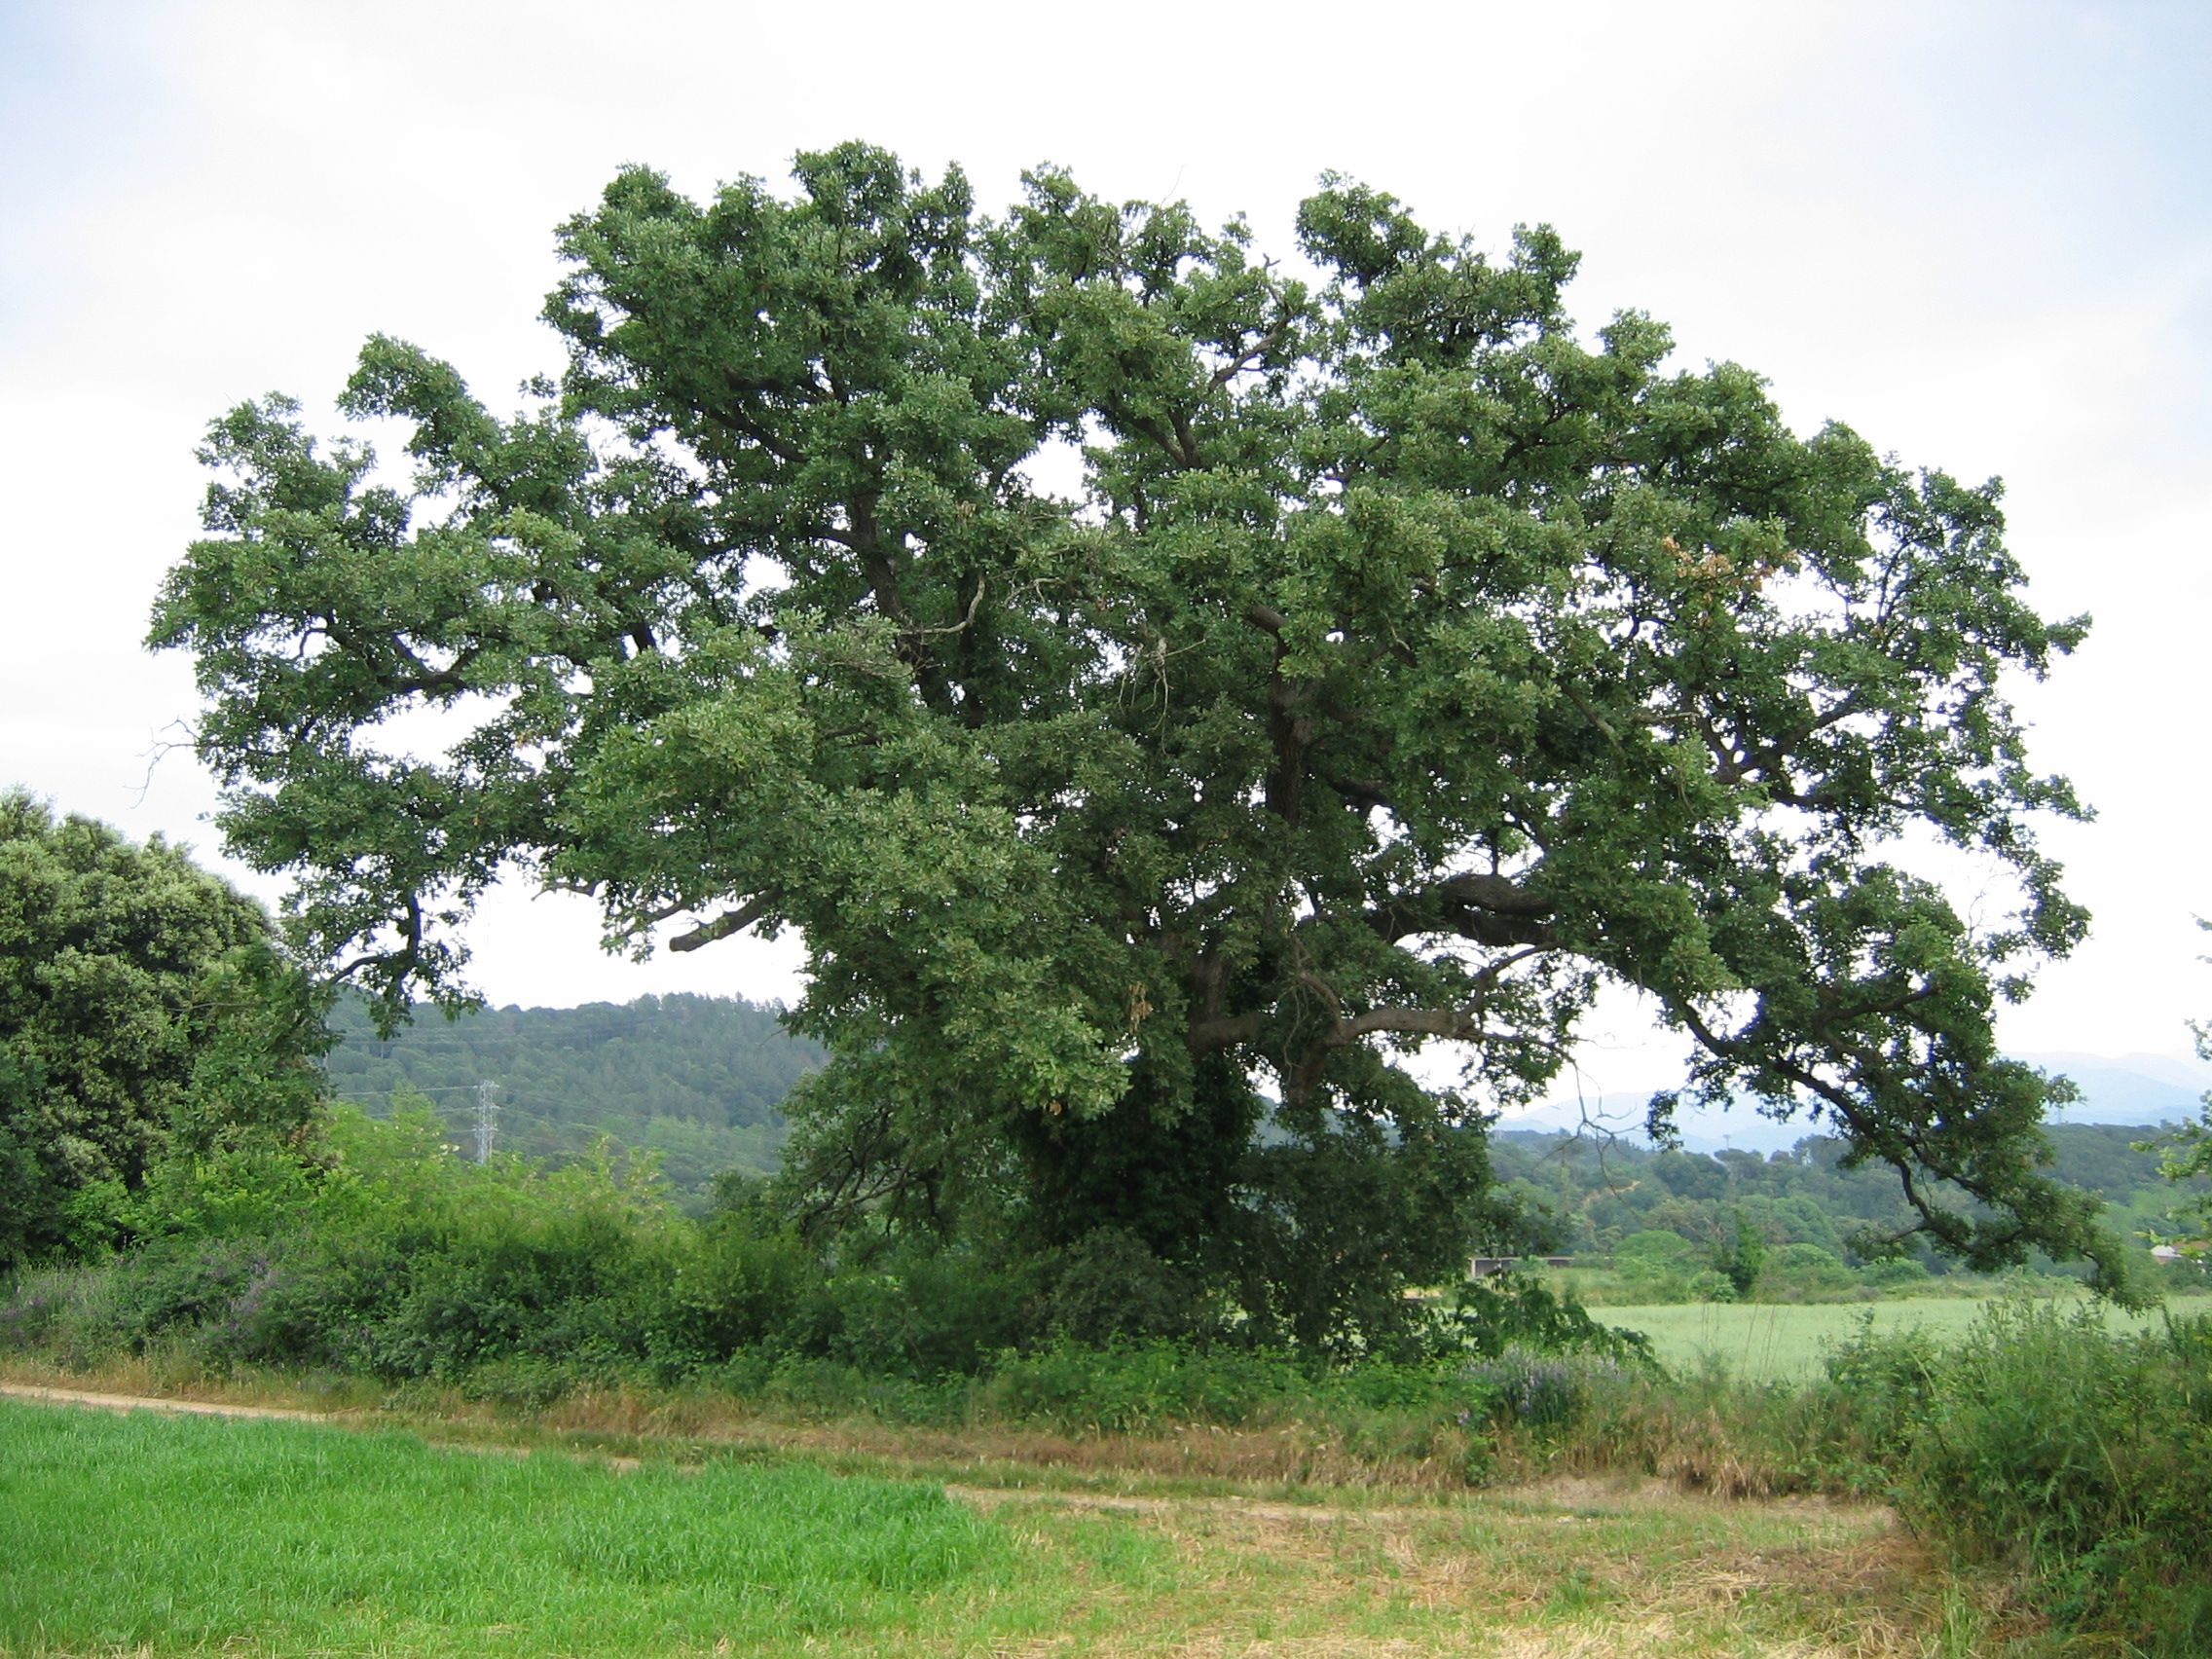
x,y
1979,233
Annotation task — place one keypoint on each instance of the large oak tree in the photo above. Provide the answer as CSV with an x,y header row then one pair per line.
x,y
1403,666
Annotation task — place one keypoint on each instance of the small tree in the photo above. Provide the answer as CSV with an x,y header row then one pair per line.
x,y
2185,1155
1740,1257
144,1005
1405,666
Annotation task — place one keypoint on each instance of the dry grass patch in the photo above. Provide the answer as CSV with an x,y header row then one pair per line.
x,y
1285,1456
1610,1573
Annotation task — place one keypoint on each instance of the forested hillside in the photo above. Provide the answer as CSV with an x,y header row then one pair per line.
x,y
699,1079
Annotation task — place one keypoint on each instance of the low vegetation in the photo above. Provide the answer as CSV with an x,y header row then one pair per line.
x,y
2046,1442
377,1542
2053,1458
2048,1471
2039,1445
1790,1342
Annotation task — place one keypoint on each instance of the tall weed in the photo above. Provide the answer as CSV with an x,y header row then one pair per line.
x,y
2044,1441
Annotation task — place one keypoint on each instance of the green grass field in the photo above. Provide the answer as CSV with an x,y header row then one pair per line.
x,y
191,1534
154,1537
1786,1341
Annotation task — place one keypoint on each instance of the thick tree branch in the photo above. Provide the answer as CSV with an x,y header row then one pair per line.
x,y
1487,909
1222,1031
727,923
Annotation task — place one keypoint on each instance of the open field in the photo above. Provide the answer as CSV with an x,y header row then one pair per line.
x,y
156,1535
1785,1342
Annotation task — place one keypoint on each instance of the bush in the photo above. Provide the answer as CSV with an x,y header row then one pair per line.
x,y
381,1253
1548,1391
1896,1273
922,1313
1656,1265
1137,1387
737,1288
68,1315
1798,1272
1512,1310
2044,1441
818,1388
146,1007
1873,1394
1107,1285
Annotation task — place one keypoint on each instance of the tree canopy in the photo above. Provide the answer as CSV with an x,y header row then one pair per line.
x,y
1395,666
145,1006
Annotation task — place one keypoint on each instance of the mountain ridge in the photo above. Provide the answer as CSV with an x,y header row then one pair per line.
x,y
2145,1090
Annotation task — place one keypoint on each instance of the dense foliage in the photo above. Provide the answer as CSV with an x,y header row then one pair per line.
x,y
2047,1442
2188,1162
1404,666
379,1252
145,1006
698,1081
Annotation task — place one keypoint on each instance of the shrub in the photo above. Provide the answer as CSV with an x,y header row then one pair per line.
x,y
1896,1273
922,1313
1507,1310
1108,1285
1801,1270
1656,1265
818,1388
1874,1393
1741,1258
1548,1391
2044,1441
68,1313
1133,1386
736,1288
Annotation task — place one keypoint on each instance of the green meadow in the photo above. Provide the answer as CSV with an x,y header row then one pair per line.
x,y
1756,1341
152,1537
184,1535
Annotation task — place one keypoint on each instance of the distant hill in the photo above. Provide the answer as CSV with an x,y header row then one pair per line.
x,y
702,1080
699,1079
2137,1090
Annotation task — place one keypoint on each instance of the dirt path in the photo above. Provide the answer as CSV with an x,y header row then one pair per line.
x,y
978,1497
1586,1497
149,1403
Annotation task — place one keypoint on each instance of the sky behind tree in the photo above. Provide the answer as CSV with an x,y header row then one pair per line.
x,y
1978,234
